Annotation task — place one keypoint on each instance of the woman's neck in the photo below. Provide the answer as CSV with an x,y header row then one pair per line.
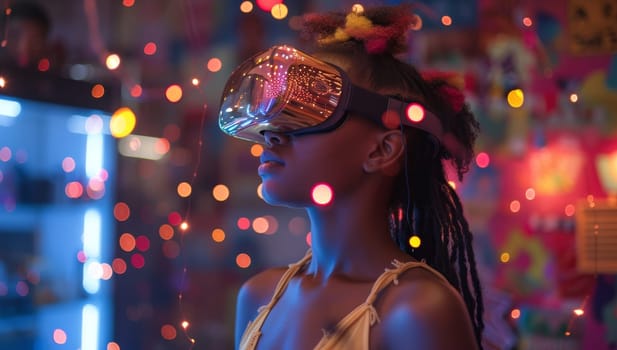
x,y
351,240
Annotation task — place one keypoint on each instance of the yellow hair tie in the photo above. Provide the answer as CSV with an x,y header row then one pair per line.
x,y
355,25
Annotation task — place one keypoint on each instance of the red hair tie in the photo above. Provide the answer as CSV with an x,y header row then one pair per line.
x,y
451,90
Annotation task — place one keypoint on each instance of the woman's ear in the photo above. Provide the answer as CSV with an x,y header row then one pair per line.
x,y
386,153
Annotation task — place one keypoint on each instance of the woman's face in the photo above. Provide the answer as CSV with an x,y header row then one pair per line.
x,y
292,165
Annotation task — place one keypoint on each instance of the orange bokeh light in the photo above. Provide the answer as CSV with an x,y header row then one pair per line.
x,y
119,266
243,260
122,212
168,332
98,91
127,242
173,93
166,232
214,65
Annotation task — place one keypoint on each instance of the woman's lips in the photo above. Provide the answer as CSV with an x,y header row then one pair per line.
x,y
268,167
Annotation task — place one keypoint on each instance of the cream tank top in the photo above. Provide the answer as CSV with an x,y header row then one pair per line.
x,y
353,330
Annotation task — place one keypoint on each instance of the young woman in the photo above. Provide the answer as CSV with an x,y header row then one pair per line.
x,y
391,264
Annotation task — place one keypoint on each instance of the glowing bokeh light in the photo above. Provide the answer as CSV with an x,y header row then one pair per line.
x,y
260,225
127,242
279,11
122,122
220,192
483,160
166,232
570,210
136,90
246,7
516,98
218,235
415,112
243,223
273,224
74,189
97,91
138,261
2,82
5,154
113,345
504,257
161,146
112,61
95,189
579,312
173,93
119,266
414,241
59,336
68,164
530,194
22,288
185,324
174,218
515,313
266,5
446,20
243,260
43,65
515,206
122,212
257,150
357,9
573,98
195,82
184,226
260,193
128,3
168,332
184,189
452,184
527,22
214,65
107,271
391,119
142,243
150,48
322,194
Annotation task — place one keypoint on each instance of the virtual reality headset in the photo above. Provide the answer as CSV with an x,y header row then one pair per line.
x,y
287,91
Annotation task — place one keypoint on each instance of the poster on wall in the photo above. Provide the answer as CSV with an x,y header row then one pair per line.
x,y
592,26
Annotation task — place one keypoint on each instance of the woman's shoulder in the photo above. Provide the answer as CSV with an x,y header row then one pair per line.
x,y
424,307
261,286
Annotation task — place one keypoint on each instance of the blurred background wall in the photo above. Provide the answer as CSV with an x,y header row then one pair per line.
x,y
540,196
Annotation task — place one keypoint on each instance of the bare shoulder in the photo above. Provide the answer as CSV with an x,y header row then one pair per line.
x,y
424,310
253,293
258,289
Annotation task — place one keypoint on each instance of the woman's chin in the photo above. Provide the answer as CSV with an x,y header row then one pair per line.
x,y
278,198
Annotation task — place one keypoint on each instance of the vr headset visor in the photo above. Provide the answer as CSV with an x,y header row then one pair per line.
x,y
285,90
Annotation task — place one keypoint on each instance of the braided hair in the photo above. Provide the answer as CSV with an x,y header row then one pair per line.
x,y
428,207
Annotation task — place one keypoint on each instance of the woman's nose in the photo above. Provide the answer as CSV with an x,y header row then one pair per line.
x,y
274,138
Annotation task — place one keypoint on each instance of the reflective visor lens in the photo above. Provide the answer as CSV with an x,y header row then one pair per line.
x,y
283,90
